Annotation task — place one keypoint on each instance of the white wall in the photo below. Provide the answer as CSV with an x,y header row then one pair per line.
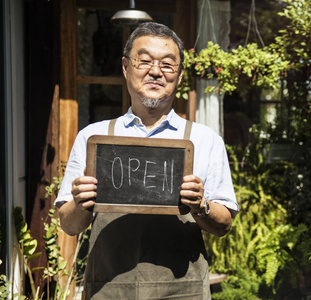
x,y
213,25
15,117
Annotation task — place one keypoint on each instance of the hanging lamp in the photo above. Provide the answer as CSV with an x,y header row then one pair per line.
x,y
130,17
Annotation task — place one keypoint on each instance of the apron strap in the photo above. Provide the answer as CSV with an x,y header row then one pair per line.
x,y
186,133
188,130
112,123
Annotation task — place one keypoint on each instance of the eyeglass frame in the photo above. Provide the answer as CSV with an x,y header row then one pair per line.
x,y
152,64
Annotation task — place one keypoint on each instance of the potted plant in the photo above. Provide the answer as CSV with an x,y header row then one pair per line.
x,y
240,69
249,66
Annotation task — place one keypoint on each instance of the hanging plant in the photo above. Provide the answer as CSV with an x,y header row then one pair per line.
x,y
240,69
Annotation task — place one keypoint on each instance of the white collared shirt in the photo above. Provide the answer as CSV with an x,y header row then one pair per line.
x,y
210,156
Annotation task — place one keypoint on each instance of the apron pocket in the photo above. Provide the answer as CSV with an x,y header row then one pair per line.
x,y
182,289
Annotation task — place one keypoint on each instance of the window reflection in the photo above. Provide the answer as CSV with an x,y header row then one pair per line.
x,y
99,44
98,102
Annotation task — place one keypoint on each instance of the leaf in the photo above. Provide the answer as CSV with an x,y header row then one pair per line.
x,y
37,268
62,265
185,96
31,247
30,258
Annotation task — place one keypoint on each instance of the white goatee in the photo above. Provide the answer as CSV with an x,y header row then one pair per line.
x,y
150,103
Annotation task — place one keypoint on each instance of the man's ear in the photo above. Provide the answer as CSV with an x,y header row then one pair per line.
x,y
125,63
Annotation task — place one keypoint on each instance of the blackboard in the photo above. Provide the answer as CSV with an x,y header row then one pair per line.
x,y
139,175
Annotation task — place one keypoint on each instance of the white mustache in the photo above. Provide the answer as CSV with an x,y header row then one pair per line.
x,y
155,80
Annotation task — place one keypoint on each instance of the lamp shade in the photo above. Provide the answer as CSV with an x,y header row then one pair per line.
x,y
130,17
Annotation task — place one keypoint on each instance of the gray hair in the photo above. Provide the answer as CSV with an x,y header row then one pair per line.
x,y
154,29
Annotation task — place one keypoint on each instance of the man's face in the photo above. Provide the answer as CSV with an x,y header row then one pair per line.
x,y
153,85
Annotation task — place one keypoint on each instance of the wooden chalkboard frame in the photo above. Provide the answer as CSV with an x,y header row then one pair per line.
x,y
95,140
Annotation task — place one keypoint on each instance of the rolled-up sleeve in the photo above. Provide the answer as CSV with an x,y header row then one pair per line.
x,y
212,166
74,168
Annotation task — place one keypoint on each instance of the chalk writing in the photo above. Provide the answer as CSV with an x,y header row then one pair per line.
x,y
134,169
118,168
165,177
112,173
136,174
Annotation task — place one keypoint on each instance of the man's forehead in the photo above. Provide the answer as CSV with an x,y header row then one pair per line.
x,y
146,43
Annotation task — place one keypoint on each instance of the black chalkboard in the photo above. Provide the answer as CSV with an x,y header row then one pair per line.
x,y
139,175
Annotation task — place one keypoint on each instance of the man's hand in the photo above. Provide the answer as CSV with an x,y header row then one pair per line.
x,y
191,193
218,221
75,215
84,192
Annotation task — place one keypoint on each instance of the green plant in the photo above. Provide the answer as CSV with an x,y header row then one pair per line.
x,y
258,189
242,68
303,248
53,187
294,41
261,241
27,246
4,286
242,286
272,230
275,252
56,267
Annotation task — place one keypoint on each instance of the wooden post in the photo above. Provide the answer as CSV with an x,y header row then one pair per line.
x,y
68,105
192,105
186,10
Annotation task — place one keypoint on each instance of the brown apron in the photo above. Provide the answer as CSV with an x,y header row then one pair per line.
x,y
146,257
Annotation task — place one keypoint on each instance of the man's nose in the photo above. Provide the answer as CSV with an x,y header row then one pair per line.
x,y
155,69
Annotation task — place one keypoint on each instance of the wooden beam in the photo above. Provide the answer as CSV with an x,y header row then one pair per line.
x,y
185,10
192,37
68,106
68,123
101,80
192,105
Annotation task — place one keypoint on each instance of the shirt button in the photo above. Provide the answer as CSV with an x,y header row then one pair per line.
x,y
137,121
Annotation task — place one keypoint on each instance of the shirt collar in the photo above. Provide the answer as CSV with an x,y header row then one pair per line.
x,y
172,119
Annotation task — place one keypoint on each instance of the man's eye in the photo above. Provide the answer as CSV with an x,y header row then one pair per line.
x,y
145,61
166,64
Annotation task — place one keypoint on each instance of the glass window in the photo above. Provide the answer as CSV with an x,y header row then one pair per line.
x,y
100,79
270,102
98,102
99,44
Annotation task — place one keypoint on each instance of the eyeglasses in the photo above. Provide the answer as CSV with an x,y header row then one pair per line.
x,y
148,64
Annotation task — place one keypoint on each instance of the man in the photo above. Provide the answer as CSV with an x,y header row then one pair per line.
x,y
151,256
